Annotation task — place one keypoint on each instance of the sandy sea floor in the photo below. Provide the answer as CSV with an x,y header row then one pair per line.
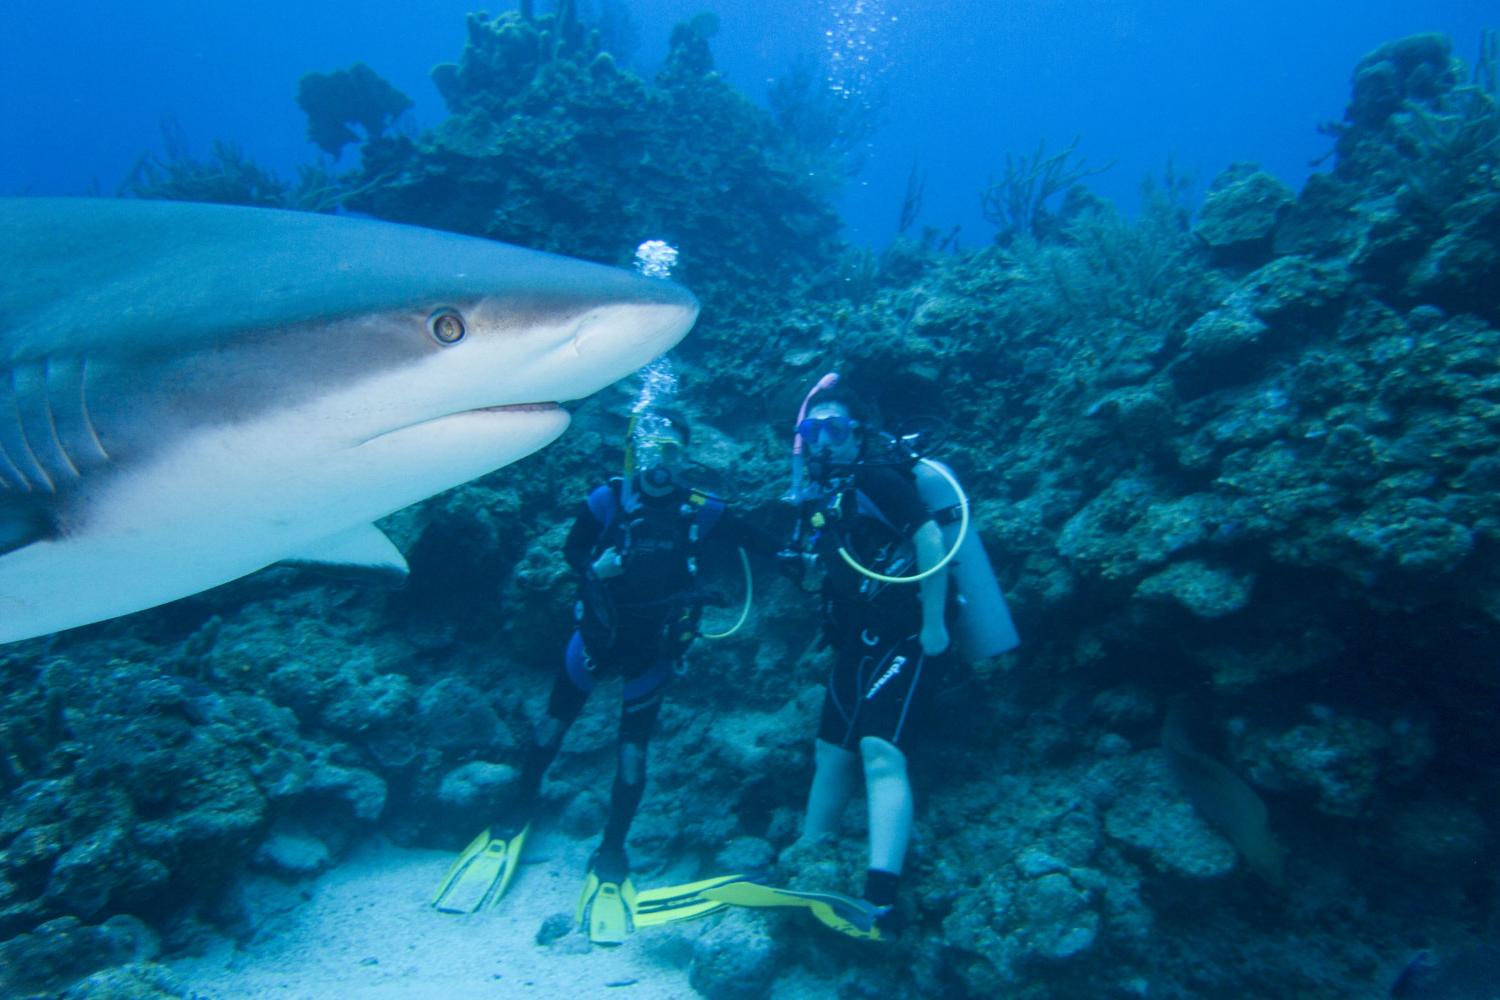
x,y
365,929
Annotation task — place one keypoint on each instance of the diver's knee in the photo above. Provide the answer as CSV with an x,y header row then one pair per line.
x,y
826,756
632,767
882,759
548,731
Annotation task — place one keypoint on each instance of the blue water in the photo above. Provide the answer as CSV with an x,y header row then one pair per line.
x,y
84,86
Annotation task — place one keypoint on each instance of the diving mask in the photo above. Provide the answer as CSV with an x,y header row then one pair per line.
x,y
657,453
654,453
836,429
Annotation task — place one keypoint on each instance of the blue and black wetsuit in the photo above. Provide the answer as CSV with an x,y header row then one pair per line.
x,y
880,681
636,625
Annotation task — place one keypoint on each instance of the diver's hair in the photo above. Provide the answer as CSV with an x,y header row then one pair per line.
x,y
677,420
856,405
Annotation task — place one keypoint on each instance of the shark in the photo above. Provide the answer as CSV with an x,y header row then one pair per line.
x,y
190,393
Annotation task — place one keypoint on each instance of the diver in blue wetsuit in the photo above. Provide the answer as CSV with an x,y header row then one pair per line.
x,y
635,547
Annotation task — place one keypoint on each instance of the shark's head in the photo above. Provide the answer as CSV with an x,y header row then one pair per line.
x,y
499,364
191,392
369,363
465,381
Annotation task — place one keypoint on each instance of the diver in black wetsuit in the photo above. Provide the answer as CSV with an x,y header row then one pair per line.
x,y
890,640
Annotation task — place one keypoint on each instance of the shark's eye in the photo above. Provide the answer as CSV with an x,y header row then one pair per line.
x,y
447,326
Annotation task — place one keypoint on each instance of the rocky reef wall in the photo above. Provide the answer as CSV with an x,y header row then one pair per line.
x,y
1242,462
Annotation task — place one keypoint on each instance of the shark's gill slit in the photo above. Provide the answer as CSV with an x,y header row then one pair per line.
x,y
10,471
29,383
83,408
50,415
9,474
72,426
13,434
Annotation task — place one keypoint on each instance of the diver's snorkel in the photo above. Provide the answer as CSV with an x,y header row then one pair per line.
x,y
798,463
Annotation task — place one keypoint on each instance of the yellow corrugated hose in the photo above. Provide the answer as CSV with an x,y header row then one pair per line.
x,y
963,531
749,595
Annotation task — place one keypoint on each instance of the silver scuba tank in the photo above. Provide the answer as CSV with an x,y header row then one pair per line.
x,y
984,627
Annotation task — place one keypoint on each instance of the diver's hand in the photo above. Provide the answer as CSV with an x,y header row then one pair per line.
x,y
793,564
934,638
608,564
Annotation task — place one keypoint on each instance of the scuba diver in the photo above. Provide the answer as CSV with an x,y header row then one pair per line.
x,y
890,642
635,548
886,525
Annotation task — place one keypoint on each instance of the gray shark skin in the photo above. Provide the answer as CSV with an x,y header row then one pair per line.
x,y
189,393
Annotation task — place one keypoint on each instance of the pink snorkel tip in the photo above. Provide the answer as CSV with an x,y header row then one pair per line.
x,y
826,382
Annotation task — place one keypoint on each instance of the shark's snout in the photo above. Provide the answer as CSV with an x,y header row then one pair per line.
x,y
651,325
616,339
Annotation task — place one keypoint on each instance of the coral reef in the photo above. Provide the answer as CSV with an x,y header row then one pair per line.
x,y
553,145
353,96
1249,456
1016,204
1239,216
63,957
228,176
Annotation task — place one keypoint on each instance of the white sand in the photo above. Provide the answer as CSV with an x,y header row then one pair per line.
x,y
364,929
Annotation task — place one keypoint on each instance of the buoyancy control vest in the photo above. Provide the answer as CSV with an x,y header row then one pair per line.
x,y
982,624
657,590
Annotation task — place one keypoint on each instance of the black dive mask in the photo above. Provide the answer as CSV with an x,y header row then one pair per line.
x,y
658,480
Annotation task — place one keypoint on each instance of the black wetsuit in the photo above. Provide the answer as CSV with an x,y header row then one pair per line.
x,y
881,681
636,625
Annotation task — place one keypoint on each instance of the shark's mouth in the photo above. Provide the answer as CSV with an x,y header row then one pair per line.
x,y
506,408
515,408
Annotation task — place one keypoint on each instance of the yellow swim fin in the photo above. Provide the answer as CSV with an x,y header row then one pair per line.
x,y
606,906
482,873
668,904
845,914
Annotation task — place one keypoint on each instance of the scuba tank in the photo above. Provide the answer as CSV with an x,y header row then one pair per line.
x,y
983,626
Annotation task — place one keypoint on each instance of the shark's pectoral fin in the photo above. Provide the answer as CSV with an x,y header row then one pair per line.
x,y
22,523
361,551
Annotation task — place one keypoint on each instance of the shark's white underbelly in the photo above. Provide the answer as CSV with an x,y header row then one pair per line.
x,y
227,502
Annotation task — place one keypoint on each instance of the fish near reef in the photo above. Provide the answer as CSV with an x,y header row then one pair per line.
x,y
189,393
1471,973
1223,799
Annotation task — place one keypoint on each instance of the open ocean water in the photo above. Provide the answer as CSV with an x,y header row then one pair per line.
x,y
83,88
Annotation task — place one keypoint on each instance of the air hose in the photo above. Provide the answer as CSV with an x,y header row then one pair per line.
x,y
749,597
963,531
